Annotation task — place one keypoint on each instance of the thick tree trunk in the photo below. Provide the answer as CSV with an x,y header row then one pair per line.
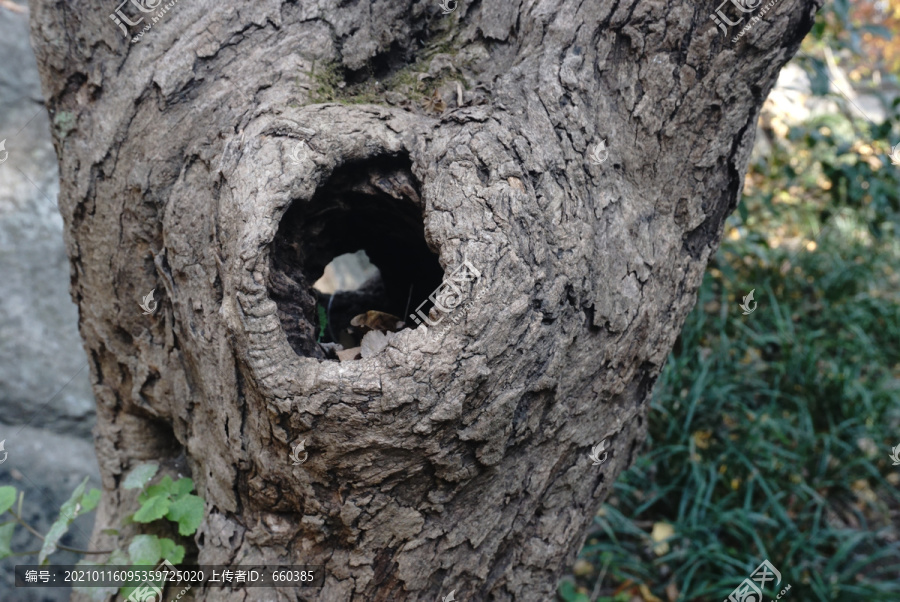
x,y
201,161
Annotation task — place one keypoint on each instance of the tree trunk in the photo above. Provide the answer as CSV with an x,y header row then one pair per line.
x,y
226,155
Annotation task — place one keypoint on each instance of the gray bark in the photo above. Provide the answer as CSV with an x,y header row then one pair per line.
x,y
456,459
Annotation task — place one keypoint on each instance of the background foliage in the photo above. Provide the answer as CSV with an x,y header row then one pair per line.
x,y
771,433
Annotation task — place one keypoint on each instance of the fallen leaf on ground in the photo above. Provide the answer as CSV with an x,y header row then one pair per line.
x,y
582,568
701,438
661,532
647,594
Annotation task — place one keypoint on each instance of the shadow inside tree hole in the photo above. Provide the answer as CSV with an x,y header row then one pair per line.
x,y
373,206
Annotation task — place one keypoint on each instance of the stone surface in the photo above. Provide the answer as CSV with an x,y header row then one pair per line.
x,y
47,467
43,369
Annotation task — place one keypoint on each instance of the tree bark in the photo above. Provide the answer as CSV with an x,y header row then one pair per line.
x,y
202,161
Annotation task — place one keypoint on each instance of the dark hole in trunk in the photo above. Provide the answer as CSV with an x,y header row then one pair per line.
x,y
374,206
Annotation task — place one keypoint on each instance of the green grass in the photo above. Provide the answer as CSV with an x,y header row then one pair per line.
x,y
770,435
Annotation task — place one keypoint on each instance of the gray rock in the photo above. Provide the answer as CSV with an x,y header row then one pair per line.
x,y
46,404
47,467
43,369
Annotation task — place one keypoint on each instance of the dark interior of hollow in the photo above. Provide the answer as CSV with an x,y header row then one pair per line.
x,y
373,205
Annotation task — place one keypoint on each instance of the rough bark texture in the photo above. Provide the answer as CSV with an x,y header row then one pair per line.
x,y
453,460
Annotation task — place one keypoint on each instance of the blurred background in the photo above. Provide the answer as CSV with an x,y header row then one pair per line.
x,y
771,432
46,403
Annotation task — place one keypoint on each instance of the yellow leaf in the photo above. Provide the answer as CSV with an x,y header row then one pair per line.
x,y
582,568
647,595
661,532
701,439
672,592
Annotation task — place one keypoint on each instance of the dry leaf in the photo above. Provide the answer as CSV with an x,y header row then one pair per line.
x,y
374,342
7,4
647,594
701,439
672,592
349,354
661,532
378,320
435,104
582,568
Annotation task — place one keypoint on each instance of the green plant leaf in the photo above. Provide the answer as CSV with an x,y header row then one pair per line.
x,y
182,486
145,550
164,487
171,551
568,593
323,322
118,556
153,509
67,513
187,511
90,500
6,533
7,498
139,475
